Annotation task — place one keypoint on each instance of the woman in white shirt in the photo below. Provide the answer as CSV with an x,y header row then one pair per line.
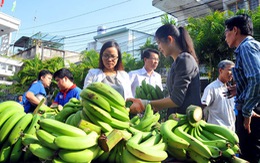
x,y
110,70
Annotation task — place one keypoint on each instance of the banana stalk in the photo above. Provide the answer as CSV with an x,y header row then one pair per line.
x,y
107,143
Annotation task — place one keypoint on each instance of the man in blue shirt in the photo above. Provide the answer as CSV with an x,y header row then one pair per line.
x,y
30,100
246,73
68,89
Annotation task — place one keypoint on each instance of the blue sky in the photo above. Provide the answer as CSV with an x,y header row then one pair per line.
x,y
81,17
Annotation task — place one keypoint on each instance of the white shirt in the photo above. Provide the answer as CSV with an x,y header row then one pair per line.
x,y
97,75
137,76
220,108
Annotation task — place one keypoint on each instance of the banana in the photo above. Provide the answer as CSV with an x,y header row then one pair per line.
x,y
236,149
144,87
228,153
111,95
65,113
195,144
112,156
151,141
159,92
137,92
154,94
57,160
34,125
197,157
221,130
94,97
105,127
19,128
77,118
148,122
103,157
76,143
144,153
117,124
16,152
177,153
7,113
41,151
135,120
89,126
118,114
97,111
70,119
149,96
28,139
128,157
170,137
46,139
9,124
59,128
148,112
85,155
5,152
84,116
10,104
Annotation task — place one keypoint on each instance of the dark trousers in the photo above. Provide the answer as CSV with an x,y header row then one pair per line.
x,y
249,143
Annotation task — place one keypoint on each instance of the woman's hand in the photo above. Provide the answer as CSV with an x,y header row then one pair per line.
x,y
137,106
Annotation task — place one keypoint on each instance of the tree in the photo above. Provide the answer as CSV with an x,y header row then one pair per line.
x,y
209,40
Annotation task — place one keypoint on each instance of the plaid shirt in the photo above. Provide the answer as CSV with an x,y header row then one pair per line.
x,y
247,75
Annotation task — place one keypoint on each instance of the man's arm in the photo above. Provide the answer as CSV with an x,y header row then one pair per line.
x,y
32,98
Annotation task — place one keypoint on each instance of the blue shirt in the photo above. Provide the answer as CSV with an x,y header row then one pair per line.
x,y
36,88
246,73
64,96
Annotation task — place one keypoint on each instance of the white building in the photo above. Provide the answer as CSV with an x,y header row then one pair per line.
x,y
128,40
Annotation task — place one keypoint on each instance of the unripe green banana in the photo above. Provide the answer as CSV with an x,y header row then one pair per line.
x,y
135,120
70,119
97,111
28,139
118,114
77,118
137,92
151,141
41,151
144,153
5,152
128,157
76,143
144,87
34,125
58,128
46,139
177,153
7,113
86,155
114,97
89,127
117,124
9,124
221,130
10,104
16,152
147,122
105,127
197,157
159,92
195,144
94,97
65,113
170,137
154,95
19,128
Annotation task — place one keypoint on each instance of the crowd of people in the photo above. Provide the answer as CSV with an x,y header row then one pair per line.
x,y
219,100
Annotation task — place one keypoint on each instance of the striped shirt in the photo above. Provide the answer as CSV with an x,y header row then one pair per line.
x,y
247,75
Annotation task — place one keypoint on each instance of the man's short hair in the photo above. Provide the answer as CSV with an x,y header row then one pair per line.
x,y
147,52
64,72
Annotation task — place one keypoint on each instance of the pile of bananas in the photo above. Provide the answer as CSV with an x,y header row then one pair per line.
x,y
97,128
13,123
190,138
104,107
147,91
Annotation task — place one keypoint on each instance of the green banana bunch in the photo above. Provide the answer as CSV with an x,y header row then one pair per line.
x,y
113,97
76,143
85,155
6,105
5,152
19,128
16,152
46,139
149,92
148,120
58,128
41,151
133,145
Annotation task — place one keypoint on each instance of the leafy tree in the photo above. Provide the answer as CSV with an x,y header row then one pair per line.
x,y
209,40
